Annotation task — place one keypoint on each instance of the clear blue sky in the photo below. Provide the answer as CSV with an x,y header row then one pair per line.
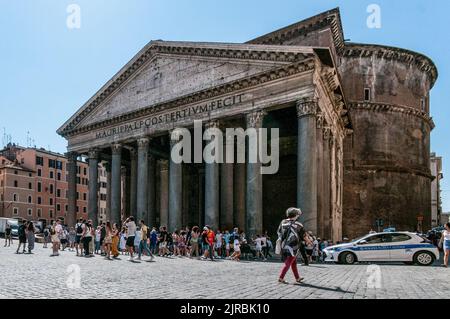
x,y
49,71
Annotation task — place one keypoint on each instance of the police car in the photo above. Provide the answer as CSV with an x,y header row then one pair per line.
x,y
406,247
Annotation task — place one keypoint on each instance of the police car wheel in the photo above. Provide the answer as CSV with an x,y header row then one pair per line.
x,y
423,258
347,258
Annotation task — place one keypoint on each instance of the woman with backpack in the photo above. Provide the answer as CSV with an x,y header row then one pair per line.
x,y
290,235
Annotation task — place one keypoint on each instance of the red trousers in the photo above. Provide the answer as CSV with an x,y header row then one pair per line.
x,y
290,262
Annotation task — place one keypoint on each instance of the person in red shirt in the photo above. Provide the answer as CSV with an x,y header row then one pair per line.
x,y
210,236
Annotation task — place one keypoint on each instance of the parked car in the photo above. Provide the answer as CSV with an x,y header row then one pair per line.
x,y
14,223
406,247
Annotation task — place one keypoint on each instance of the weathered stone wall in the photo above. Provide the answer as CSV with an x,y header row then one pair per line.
x,y
387,158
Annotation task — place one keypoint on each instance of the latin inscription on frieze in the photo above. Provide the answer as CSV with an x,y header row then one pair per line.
x,y
171,117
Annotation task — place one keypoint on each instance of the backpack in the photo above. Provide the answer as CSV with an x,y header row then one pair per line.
x,y
79,228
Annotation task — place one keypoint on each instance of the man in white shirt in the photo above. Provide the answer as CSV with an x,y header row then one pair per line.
x,y
131,234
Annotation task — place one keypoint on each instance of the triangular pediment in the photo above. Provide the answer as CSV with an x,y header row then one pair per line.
x,y
164,71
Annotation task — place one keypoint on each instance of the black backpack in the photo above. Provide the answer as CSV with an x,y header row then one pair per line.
x,y
79,228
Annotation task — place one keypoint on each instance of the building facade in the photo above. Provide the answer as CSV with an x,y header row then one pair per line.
x,y
353,120
33,185
436,200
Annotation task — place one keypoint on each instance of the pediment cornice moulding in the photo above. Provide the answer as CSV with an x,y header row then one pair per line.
x,y
215,50
240,84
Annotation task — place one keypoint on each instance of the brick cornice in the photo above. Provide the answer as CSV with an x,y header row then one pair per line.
x,y
331,19
383,107
423,63
244,83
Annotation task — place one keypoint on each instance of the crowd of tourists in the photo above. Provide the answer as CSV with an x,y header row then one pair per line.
x,y
136,239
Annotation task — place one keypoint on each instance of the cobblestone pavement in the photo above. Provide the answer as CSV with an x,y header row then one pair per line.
x,y
41,276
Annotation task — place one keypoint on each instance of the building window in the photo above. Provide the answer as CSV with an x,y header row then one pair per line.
x,y
51,175
39,213
39,161
67,208
16,211
67,194
39,173
16,184
16,172
85,171
30,199
58,207
78,209
59,165
51,163
51,213
84,210
15,198
39,200
30,175
78,195
30,212
39,187
58,193
51,188
58,176
367,95
30,186
78,169
84,196
423,105
50,201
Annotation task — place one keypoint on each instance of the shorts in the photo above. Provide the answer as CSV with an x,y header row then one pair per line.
x,y
163,244
309,252
130,241
63,241
446,244
227,246
78,239
22,240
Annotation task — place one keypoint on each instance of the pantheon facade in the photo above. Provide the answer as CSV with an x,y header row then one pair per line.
x,y
353,120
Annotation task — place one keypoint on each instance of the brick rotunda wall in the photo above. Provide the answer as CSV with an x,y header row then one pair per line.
x,y
386,159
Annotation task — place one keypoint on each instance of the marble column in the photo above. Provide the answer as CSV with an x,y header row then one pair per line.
x,y
212,187
142,180
201,197
151,203
93,187
164,192
133,182
108,191
320,175
175,187
72,191
239,218
307,163
254,199
226,188
326,184
116,166
125,191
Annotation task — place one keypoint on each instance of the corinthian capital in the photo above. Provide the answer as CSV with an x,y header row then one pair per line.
x,y
175,135
212,124
143,142
93,154
307,106
116,149
255,119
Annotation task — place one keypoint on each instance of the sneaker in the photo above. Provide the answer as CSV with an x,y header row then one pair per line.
x,y
282,281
